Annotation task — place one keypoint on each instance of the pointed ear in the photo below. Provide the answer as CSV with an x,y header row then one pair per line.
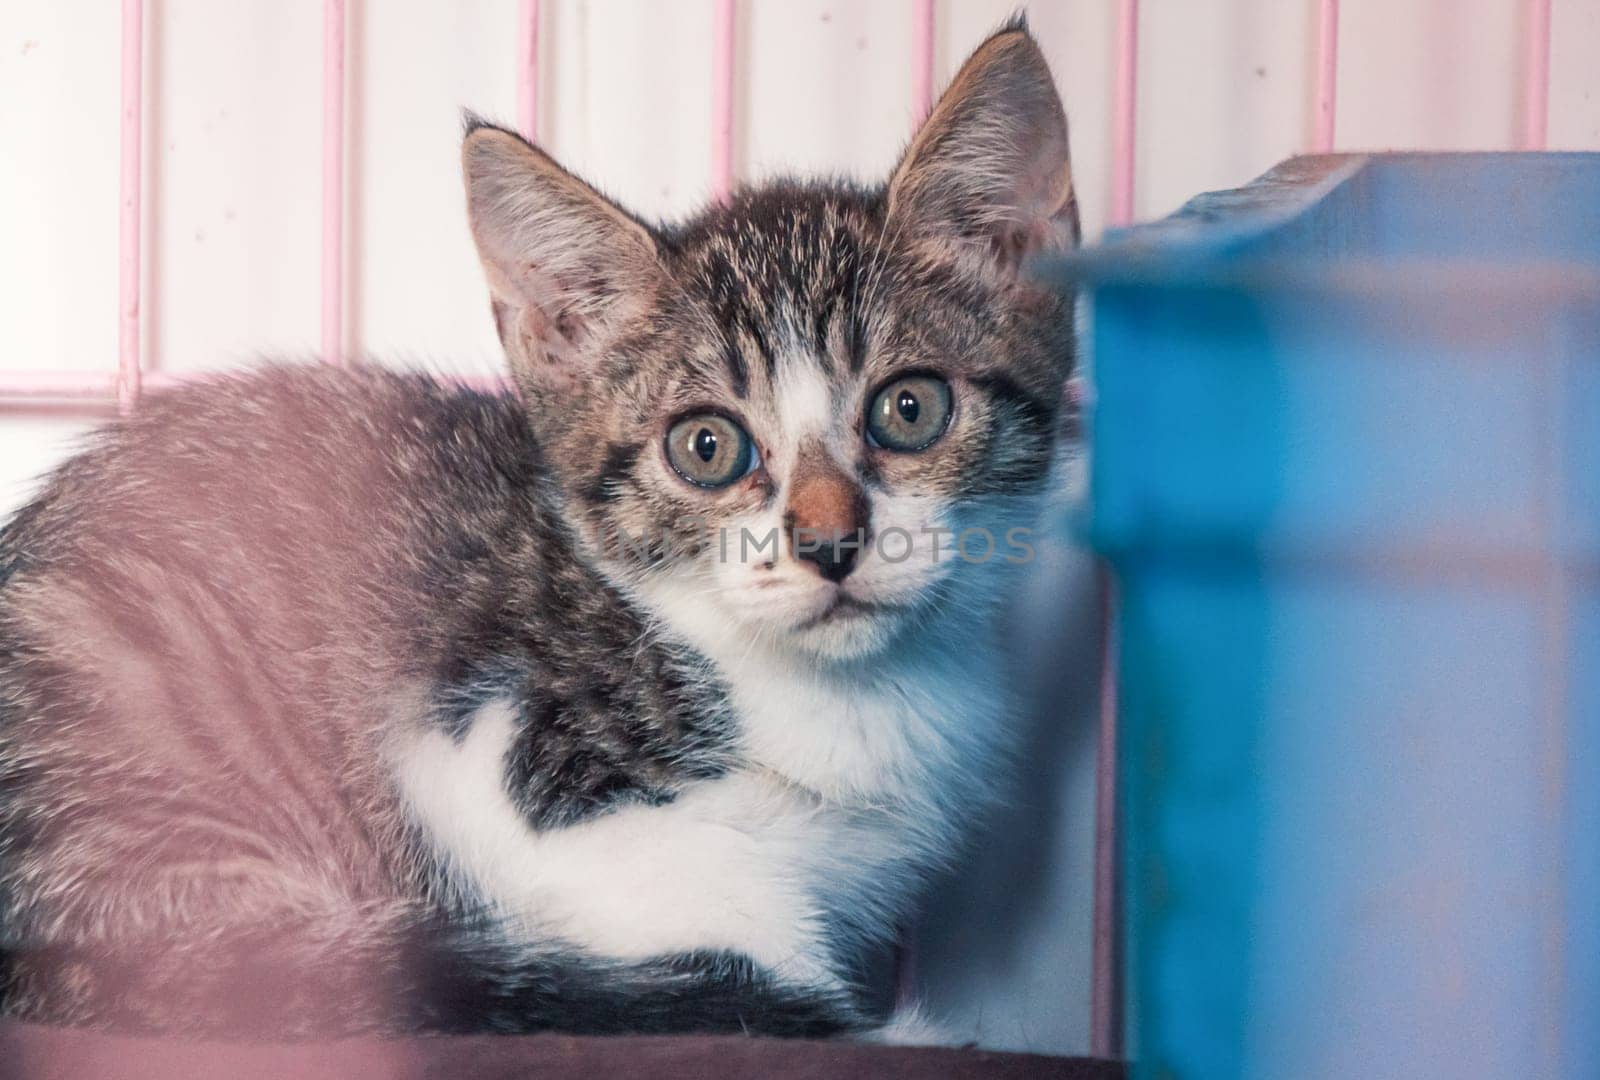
x,y
991,167
564,264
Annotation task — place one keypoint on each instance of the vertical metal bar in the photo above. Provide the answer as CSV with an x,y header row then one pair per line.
x,y
1327,85
1125,79
130,203
1105,1022
1105,999
528,69
333,27
922,37
1536,95
722,40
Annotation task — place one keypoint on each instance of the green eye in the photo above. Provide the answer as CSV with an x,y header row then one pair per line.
x,y
910,413
709,450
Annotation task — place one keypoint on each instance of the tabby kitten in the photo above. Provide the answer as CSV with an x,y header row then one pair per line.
x,y
640,701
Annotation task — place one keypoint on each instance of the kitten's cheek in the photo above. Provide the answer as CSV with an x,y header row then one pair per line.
x,y
907,559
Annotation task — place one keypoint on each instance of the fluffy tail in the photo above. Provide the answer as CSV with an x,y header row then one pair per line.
x,y
427,977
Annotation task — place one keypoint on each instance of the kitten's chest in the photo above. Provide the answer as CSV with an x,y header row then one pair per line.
x,y
909,737
747,861
840,795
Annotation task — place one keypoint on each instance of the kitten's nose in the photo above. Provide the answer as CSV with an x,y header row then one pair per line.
x,y
827,518
833,561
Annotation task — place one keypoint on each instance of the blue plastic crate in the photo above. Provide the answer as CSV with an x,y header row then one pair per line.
x,y
1347,469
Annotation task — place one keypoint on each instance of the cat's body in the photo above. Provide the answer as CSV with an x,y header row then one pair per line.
x,y
329,703
366,779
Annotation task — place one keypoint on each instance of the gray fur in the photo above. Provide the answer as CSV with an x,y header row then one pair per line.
x,y
211,615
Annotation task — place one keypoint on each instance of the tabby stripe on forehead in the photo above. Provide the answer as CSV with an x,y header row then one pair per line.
x,y
738,374
614,469
1006,390
855,327
819,329
763,346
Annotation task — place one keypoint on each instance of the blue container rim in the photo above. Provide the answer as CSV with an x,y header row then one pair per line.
x,y
1205,243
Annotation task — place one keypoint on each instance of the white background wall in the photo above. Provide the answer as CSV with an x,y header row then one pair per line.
x,y
232,230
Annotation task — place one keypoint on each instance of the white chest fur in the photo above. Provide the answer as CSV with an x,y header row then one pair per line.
x,y
851,789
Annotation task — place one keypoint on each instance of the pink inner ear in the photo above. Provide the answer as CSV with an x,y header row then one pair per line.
x,y
550,325
1043,229
1048,203
1044,181
545,341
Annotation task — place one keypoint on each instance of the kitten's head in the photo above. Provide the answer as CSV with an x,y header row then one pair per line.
x,y
815,415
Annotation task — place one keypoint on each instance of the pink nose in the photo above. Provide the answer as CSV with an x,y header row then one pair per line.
x,y
827,520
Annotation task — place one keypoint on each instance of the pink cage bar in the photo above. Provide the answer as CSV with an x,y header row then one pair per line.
x,y
1536,95
722,57
122,387
1327,84
528,69
922,44
129,202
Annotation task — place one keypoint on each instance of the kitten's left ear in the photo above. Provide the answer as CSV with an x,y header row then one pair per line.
x,y
991,165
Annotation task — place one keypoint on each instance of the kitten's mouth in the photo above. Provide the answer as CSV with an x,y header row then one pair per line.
x,y
842,608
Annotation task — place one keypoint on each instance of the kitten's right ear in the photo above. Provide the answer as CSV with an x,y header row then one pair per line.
x,y
990,168
564,263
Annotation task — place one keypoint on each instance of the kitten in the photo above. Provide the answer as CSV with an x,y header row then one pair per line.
x,y
641,701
